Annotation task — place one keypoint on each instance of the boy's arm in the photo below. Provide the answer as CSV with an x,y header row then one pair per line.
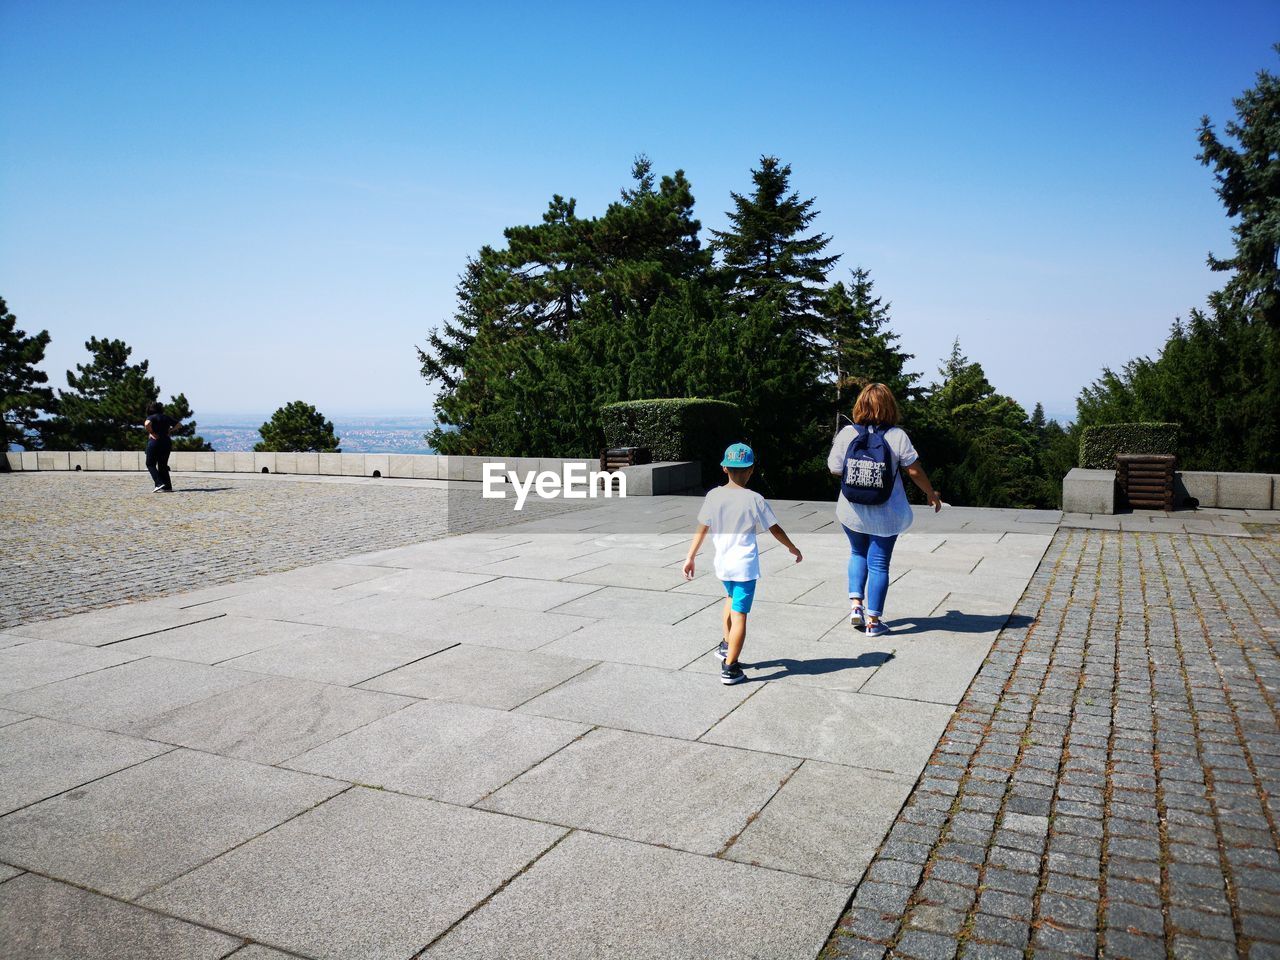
x,y
783,539
694,547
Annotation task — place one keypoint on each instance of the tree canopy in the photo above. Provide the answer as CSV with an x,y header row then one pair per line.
x,y
297,427
22,392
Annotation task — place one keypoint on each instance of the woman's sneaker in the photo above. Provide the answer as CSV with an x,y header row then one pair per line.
x,y
722,651
731,673
855,616
877,629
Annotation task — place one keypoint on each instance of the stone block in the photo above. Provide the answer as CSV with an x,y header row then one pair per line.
x,y
162,817
1202,485
644,606
483,676
1244,491
53,460
688,796
271,720
100,627
95,459
523,594
112,460
642,699
224,462
367,874
77,460
338,655
43,758
206,462
48,920
827,821
14,460
244,461
182,461
694,906
264,462
286,463
399,465
1089,491
854,729
352,465
329,464
309,463
213,641
427,466
30,460
446,751
119,698
38,662
378,463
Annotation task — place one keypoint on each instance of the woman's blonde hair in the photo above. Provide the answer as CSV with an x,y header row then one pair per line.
x,y
876,407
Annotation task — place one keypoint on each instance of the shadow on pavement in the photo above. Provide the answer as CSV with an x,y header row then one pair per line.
x,y
813,668
954,621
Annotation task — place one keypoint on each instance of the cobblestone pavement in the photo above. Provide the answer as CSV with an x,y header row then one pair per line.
x,y
1110,785
71,542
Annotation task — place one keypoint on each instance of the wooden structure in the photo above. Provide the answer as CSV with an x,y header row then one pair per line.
x,y
1146,480
617,457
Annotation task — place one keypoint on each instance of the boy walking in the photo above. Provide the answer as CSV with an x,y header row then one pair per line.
x,y
734,515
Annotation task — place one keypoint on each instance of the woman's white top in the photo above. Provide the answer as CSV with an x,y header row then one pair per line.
x,y
886,519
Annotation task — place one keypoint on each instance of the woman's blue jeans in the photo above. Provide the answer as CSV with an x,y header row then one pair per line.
x,y
869,568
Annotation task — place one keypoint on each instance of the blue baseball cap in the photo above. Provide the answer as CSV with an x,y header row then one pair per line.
x,y
738,457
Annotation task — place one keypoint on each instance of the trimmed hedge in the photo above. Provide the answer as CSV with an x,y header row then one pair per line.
x,y
674,429
1100,444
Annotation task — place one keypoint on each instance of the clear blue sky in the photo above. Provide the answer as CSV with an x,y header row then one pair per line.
x,y
273,200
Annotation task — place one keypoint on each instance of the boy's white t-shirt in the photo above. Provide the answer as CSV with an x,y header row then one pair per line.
x,y
735,515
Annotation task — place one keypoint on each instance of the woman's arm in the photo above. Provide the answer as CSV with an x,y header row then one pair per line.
x,y
921,480
150,433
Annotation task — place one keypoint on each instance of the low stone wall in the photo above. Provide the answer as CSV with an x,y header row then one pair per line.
x,y
1094,491
649,480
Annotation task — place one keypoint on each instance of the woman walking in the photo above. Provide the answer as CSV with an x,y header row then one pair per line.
x,y
869,456
159,445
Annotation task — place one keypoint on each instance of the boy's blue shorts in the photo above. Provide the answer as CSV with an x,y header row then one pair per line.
x,y
741,592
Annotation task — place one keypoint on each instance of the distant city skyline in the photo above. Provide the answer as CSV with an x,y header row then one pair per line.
x,y
270,206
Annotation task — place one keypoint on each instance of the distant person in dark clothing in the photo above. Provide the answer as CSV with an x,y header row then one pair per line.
x,y
159,445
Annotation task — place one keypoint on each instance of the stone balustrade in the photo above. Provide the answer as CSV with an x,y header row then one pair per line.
x,y
1094,491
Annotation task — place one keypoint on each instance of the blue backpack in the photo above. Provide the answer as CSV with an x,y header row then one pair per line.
x,y
869,470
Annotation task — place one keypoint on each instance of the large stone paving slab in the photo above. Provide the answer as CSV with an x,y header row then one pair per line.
x,y
644,644
368,874
879,733
101,627
40,758
131,831
826,821
38,662
630,901
673,793
124,697
422,584
779,621
645,606
213,641
271,720
341,655
799,663
447,751
523,594
934,667
506,627
642,699
42,919
484,676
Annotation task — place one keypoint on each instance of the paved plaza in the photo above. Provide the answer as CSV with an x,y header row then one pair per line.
x,y
514,743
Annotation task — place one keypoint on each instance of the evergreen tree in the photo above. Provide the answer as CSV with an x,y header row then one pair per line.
x,y
297,427
862,349
1248,179
107,401
22,396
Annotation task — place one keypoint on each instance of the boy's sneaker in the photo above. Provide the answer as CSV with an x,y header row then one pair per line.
x,y
722,651
877,629
731,673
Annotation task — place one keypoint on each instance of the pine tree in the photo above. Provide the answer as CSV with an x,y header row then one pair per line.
x,y
107,401
22,396
297,427
862,349
1248,179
